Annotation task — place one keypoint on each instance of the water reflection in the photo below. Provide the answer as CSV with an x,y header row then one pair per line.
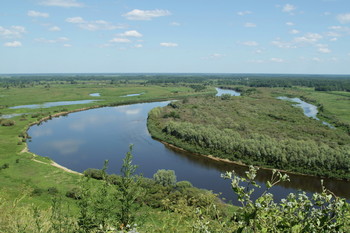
x,y
85,139
95,94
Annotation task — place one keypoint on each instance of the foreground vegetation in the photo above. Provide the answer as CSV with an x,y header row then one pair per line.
x,y
38,197
113,204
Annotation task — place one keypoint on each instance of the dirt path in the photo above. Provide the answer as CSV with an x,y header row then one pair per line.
x,y
25,150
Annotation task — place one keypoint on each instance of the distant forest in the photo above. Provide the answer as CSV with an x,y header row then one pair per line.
x,y
318,82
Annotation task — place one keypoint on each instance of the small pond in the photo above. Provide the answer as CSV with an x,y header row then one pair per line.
x,y
131,95
53,104
221,91
8,116
95,94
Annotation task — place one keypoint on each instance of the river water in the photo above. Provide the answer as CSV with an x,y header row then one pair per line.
x,y
86,139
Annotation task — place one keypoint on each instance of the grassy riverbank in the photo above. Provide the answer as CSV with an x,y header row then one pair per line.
x,y
256,128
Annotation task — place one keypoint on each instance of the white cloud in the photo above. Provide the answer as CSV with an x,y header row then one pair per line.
x,y
75,20
37,14
132,33
258,51
168,44
250,25
243,13
344,18
120,40
67,45
308,38
138,46
333,39
214,56
12,32
294,31
137,14
93,25
324,50
250,43
316,59
62,3
290,24
288,8
13,44
52,41
176,24
278,60
285,45
54,29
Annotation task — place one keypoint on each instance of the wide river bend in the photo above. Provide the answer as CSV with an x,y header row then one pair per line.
x,y
86,139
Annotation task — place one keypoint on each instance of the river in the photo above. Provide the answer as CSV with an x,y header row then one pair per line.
x,y
85,139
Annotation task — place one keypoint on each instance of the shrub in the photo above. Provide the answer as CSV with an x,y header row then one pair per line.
x,y
165,177
113,179
183,185
94,173
37,192
52,190
74,193
7,122
225,96
5,165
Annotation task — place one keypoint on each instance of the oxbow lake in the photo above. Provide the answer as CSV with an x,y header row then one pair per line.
x,y
86,139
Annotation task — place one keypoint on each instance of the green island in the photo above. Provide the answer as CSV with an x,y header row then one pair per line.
x,y
37,195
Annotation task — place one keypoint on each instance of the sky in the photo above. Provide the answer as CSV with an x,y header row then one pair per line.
x,y
175,36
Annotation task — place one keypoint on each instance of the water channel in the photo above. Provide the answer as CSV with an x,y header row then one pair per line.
x,y
86,139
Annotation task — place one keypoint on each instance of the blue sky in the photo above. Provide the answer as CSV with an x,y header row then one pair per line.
x,y
200,36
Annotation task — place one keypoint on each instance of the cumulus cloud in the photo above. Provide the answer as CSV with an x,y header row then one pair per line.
x,y
93,25
282,44
308,38
120,40
294,31
13,44
75,20
55,29
176,24
243,13
344,18
138,46
168,44
288,8
250,43
12,32
137,14
62,3
214,56
38,14
132,33
250,25
52,41
324,50
290,24
278,60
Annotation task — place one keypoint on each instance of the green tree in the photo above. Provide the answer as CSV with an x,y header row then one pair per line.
x,y
165,177
129,191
